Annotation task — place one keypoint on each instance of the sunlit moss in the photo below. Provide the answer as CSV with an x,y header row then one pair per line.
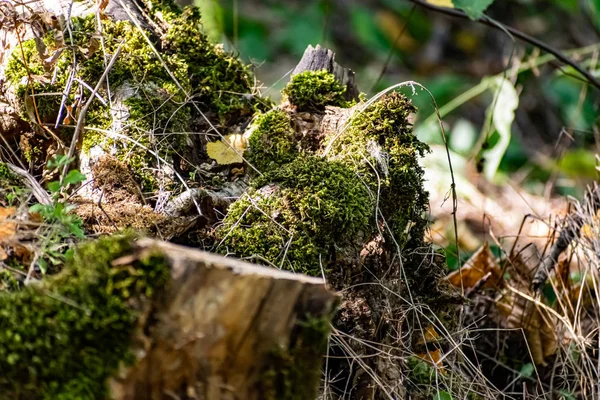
x,y
271,141
302,210
313,90
141,84
380,146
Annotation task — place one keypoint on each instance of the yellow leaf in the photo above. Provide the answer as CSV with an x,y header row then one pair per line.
x,y
441,3
228,151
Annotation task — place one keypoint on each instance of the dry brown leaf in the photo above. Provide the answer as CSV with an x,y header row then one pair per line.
x,y
537,324
433,357
476,268
7,229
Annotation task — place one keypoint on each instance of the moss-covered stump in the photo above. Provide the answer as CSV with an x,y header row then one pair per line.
x,y
142,319
176,134
338,192
167,83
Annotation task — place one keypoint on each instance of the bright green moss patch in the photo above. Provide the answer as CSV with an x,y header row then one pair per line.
x,y
63,338
294,374
379,144
271,141
8,282
313,90
304,209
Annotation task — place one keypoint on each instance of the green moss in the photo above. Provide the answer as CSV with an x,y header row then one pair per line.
x,y
420,372
313,90
380,146
5,173
12,189
306,208
63,338
25,63
271,141
218,79
8,282
294,373
321,203
219,83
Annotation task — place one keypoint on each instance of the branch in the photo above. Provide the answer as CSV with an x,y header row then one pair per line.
x,y
516,33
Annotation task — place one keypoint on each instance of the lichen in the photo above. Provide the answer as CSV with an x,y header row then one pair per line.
x,y
271,141
63,338
313,90
294,373
379,145
302,211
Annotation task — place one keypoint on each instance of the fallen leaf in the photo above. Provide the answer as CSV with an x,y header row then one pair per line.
x,y
537,323
228,151
476,268
7,229
433,357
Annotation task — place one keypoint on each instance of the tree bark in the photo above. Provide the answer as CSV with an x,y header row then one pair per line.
x,y
220,322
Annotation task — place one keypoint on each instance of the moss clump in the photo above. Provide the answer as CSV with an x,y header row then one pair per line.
x,y
218,79
271,141
304,210
294,374
63,338
380,146
313,90
147,103
5,174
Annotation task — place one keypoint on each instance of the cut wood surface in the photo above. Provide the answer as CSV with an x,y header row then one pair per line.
x,y
220,320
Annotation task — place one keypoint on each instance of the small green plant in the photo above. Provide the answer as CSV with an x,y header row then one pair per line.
x,y
61,225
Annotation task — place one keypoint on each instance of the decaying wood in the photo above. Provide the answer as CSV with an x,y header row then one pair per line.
x,y
205,201
219,321
319,58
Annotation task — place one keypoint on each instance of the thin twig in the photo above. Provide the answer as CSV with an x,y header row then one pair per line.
x,y
81,118
36,189
516,33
